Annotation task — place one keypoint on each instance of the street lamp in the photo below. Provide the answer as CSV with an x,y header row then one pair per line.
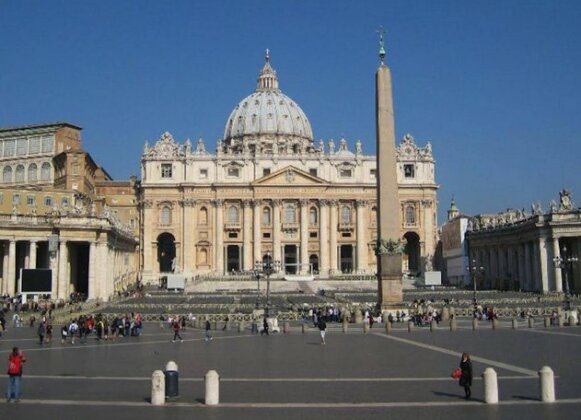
x,y
565,262
475,269
266,267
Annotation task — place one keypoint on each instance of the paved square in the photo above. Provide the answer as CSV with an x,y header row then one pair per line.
x,y
406,375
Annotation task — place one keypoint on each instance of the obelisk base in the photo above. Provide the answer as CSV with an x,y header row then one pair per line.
x,y
390,282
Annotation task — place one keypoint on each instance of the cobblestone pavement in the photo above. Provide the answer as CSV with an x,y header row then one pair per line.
x,y
404,374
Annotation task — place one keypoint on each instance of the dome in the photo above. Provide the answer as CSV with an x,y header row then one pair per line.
x,y
268,115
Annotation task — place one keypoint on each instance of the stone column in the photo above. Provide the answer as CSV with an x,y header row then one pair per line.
x,y
536,267
105,278
558,272
247,235
148,256
324,238
189,235
362,263
304,236
333,236
528,268
11,274
63,270
276,244
93,267
219,236
32,254
257,230
4,285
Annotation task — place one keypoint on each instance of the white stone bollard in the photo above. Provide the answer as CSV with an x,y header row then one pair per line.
x,y
547,383
365,327
445,313
433,326
157,388
345,326
241,326
453,324
286,327
490,386
494,323
474,324
514,324
531,322
212,388
388,327
572,321
410,326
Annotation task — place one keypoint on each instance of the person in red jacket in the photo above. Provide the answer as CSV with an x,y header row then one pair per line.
x,y
15,361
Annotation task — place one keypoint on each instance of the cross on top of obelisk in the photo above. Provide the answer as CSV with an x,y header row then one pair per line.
x,y
381,32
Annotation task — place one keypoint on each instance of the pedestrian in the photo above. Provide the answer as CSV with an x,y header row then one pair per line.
x,y
15,361
322,330
226,323
208,327
176,330
264,326
48,337
466,377
41,332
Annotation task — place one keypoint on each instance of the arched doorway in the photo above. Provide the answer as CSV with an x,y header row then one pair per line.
x,y
412,250
166,252
314,263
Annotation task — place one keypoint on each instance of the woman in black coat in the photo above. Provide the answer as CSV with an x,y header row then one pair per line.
x,y
466,378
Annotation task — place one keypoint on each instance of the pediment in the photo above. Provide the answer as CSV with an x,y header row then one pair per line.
x,y
289,176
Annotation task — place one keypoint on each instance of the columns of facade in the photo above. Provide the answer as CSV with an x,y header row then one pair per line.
x,y
32,254
304,236
257,241
247,235
63,279
544,264
324,238
219,236
11,273
93,264
536,267
528,271
362,263
105,278
558,272
333,236
4,285
276,244
148,255
189,235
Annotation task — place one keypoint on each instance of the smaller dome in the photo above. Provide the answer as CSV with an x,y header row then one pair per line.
x,y
269,112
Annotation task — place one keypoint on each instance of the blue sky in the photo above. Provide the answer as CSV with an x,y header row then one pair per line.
x,y
494,85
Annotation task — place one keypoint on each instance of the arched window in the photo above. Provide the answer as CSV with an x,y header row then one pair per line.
x,y
232,214
165,216
410,215
203,216
203,257
45,171
313,216
266,216
32,172
7,175
19,173
345,214
290,215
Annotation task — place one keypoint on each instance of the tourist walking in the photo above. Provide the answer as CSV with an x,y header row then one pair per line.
x,y
41,332
208,327
176,330
15,361
322,330
264,326
466,377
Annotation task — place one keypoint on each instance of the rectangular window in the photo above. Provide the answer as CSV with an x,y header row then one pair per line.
x,y
16,199
76,169
47,144
266,235
409,171
373,173
266,171
65,201
346,235
21,147
30,200
48,201
34,145
9,148
232,235
166,170
313,171
345,173
313,235
233,172
203,173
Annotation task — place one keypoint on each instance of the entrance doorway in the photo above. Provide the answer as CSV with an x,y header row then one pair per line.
x,y
314,263
412,250
232,258
79,263
166,252
290,259
346,258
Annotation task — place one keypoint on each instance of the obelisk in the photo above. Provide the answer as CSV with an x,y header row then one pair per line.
x,y
389,244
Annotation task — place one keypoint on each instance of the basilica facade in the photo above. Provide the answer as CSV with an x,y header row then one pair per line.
x,y
269,191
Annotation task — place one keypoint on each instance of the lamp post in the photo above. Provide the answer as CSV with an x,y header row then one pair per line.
x,y
565,262
475,269
266,267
